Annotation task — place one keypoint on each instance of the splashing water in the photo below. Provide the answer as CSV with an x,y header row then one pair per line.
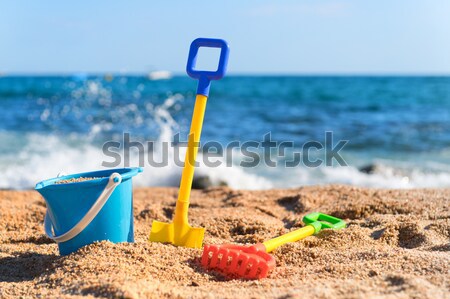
x,y
54,124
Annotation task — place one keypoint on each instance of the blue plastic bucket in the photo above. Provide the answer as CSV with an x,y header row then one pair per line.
x,y
81,213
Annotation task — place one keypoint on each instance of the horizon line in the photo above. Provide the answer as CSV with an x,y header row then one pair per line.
x,y
231,74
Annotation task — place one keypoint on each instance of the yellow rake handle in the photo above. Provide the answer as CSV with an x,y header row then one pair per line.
x,y
289,237
187,176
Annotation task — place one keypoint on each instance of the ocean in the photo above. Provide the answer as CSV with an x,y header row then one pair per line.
x,y
397,129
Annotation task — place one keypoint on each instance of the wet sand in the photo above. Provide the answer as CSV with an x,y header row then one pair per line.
x,y
396,245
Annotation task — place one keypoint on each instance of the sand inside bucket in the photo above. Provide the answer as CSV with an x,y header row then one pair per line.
x,y
76,180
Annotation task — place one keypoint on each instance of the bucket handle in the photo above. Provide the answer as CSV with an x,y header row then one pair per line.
x,y
114,180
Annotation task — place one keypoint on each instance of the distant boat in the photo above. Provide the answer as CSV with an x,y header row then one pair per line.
x,y
159,75
108,77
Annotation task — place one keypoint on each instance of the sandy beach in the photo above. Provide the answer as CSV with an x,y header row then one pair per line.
x,y
396,245
266,117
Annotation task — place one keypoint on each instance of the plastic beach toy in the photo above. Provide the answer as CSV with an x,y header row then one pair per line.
x,y
254,262
80,213
179,232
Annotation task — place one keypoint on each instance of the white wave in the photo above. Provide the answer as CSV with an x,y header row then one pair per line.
x,y
46,156
385,177
26,159
43,157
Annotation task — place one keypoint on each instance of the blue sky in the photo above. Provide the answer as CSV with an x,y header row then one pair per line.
x,y
305,37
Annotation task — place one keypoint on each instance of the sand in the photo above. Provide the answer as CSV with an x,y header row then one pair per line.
x,y
396,246
76,180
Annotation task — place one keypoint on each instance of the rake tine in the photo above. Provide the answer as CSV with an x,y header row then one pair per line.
x,y
224,260
253,270
221,253
205,256
215,258
232,259
208,252
242,268
243,271
264,270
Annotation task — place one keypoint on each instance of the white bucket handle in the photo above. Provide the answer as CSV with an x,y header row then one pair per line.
x,y
114,180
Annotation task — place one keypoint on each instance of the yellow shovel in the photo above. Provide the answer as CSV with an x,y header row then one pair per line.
x,y
179,232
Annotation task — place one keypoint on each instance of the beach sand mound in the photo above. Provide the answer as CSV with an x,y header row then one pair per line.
x,y
396,245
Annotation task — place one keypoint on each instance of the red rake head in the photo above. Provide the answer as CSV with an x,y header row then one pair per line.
x,y
250,262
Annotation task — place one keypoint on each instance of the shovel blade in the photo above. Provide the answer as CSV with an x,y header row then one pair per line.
x,y
193,238
177,234
162,232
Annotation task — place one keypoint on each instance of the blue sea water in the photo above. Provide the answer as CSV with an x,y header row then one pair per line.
x,y
399,125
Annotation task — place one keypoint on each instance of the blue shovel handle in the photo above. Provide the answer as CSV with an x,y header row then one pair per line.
x,y
205,77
